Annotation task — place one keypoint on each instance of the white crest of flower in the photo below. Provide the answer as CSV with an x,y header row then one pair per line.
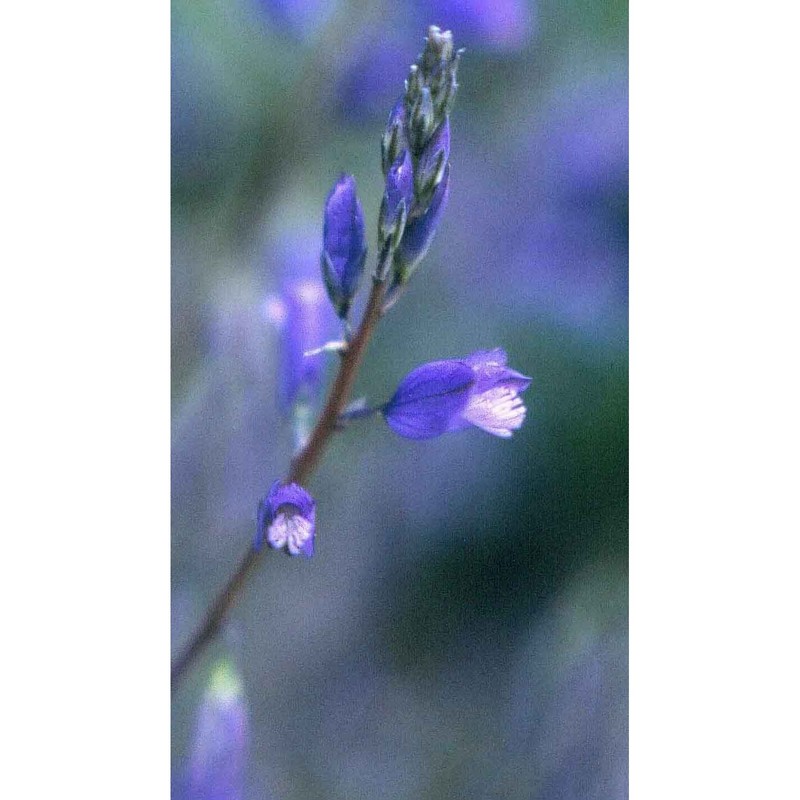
x,y
289,530
498,411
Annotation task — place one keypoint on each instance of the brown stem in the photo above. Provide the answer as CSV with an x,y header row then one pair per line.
x,y
303,465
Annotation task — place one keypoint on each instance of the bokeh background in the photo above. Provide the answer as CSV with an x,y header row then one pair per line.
x,y
462,629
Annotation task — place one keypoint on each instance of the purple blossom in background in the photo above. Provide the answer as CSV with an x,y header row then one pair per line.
x,y
344,247
303,317
502,25
370,76
287,519
444,396
219,750
300,18
563,254
574,250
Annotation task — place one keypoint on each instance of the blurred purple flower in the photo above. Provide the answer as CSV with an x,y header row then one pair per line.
x,y
444,396
344,248
219,751
287,519
482,24
551,219
302,315
371,75
300,18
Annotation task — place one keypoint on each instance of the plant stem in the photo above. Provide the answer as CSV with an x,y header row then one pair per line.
x,y
303,465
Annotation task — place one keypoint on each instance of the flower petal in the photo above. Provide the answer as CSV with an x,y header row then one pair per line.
x,y
292,494
498,411
429,398
490,371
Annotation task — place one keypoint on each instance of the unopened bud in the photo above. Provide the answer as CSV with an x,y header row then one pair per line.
x,y
419,233
344,249
397,198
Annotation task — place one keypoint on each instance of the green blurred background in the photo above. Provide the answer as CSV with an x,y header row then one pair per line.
x,y
462,628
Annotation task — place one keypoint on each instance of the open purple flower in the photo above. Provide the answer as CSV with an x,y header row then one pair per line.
x,y
286,518
444,396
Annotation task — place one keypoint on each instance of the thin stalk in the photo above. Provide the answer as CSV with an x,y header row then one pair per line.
x,y
302,466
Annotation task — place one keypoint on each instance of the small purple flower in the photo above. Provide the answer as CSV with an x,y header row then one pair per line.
x,y
219,750
344,249
286,517
444,396
419,232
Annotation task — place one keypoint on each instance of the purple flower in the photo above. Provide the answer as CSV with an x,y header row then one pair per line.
x,y
305,321
286,517
344,249
444,396
219,750
419,232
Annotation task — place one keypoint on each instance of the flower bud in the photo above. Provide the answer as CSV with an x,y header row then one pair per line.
x,y
435,71
397,199
419,232
432,163
438,48
344,249
395,138
421,119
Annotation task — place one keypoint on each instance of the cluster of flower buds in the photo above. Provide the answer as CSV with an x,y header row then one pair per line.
x,y
415,156
417,135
